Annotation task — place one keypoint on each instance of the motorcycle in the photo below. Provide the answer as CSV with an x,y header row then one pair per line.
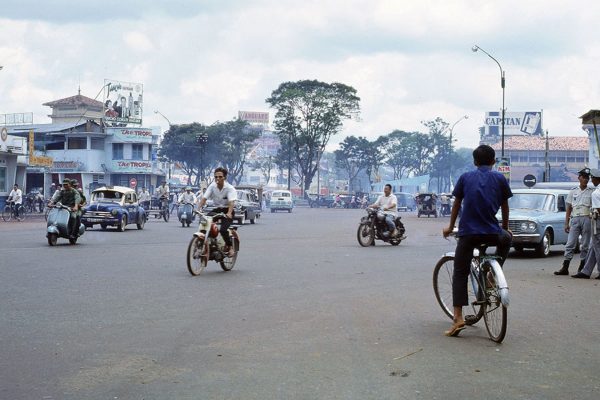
x,y
207,244
373,227
185,213
58,225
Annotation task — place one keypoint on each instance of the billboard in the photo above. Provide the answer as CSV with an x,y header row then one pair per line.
x,y
526,123
130,166
130,135
123,103
254,117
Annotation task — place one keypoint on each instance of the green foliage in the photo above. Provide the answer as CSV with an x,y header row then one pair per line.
x,y
308,113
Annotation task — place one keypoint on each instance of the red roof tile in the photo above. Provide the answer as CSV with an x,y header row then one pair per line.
x,y
76,100
568,143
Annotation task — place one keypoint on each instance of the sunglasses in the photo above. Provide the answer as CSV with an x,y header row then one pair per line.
x,y
219,177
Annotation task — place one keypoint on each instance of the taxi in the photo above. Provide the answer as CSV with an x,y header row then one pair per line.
x,y
114,206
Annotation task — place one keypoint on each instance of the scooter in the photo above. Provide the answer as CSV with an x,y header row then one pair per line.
x,y
58,225
207,244
185,213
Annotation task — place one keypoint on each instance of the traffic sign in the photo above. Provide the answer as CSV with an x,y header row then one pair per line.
x,y
133,183
529,180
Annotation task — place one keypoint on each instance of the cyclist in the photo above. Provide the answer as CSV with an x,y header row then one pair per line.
x,y
16,197
162,192
483,191
223,196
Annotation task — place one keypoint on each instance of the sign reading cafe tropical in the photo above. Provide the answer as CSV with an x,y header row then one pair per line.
x,y
527,123
123,103
127,135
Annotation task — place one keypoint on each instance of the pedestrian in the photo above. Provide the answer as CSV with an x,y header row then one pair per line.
x,y
483,192
594,253
577,221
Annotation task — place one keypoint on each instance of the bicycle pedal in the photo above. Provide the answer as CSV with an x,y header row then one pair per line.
x,y
470,319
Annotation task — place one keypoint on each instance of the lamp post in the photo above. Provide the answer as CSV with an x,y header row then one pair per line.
x,y
169,122
450,158
502,84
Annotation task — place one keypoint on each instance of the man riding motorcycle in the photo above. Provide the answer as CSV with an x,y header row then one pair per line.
x,y
162,193
389,205
68,197
223,196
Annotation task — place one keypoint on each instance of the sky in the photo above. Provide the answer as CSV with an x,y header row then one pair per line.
x,y
410,61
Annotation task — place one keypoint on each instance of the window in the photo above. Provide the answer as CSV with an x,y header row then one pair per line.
x,y
117,150
77,143
97,144
3,179
57,143
137,151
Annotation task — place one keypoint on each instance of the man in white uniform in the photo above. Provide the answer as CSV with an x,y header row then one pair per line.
x,y
577,221
187,196
389,204
594,253
223,196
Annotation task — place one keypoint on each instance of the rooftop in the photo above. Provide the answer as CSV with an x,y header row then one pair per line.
x,y
565,143
77,100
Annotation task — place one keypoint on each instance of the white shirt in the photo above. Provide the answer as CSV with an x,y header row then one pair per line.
x,y
580,200
16,196
162,191
144,196
596,197
220,197
388,202
186,197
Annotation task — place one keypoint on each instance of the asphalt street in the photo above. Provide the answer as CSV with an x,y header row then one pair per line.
x,y
305,314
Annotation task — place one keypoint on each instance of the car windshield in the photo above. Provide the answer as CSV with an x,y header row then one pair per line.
x,y
532,201
107,196
281,194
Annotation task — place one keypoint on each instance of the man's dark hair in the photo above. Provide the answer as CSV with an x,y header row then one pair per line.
x,y
388,185
484,155
223,170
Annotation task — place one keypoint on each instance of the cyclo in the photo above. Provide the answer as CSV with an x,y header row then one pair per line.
x,y
427,204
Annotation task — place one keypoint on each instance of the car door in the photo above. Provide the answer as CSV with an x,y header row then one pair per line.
x,y
560,236
131,207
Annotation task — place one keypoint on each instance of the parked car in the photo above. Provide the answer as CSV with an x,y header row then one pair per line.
x,y
281,200
247,206
113,206
537,219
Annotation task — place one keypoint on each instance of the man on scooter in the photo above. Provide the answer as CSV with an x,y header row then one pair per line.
x,y
69,197
223,196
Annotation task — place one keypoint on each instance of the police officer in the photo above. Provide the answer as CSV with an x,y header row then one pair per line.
x,y
577,221
69,197
594,253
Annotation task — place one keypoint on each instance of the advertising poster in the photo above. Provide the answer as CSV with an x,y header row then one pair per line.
x,y
503,166
123,103
527,123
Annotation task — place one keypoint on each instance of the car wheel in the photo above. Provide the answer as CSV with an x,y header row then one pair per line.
x,y
121,226
142,221
290,210
253,220
543,248
103,226
272,210
242,219
518,248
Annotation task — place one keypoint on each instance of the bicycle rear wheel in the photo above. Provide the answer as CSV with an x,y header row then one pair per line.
x,y
7,213
495,313
442,287
22,214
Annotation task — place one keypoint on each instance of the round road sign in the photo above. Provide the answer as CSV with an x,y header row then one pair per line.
x,y
529,180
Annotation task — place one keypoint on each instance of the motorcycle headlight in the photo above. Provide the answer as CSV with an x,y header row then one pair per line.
x,y
114,212
203,220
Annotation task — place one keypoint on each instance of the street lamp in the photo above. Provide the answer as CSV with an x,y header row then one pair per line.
x,y
450,158
169,122
502,84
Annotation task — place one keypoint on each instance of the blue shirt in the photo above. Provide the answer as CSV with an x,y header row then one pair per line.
x,y
482,192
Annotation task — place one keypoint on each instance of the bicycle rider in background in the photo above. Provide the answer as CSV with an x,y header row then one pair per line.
x,y
483,191
16,198
223,196
162,193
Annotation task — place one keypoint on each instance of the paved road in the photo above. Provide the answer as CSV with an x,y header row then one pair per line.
x,y
305,314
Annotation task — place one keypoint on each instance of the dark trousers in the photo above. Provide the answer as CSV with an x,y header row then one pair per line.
x,y
225,224
464,255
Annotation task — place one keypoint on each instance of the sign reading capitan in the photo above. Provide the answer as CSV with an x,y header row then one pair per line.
x,y
528,123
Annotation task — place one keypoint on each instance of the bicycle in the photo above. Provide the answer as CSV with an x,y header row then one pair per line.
x,y
10,211
487,291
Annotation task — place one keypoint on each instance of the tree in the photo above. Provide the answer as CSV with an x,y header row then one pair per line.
x,y
440,153
407,152
180,144
265,164
307,114
350,157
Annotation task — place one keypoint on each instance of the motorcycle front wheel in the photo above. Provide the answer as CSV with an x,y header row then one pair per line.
x,y
365,235
197,256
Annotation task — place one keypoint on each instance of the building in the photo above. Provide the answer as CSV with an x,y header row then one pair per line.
x,y
12,163
566,155
81,147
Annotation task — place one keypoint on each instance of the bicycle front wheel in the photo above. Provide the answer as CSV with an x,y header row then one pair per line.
x,y
443,274
495,313
7,213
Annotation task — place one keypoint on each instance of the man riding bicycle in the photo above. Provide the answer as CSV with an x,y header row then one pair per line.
x,y
162,193
483,191
223,196
16,197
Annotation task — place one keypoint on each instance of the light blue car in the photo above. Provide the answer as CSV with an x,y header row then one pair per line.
x,y
537,219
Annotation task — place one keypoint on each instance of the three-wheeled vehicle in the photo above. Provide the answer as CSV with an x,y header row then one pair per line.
x,y
427,204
